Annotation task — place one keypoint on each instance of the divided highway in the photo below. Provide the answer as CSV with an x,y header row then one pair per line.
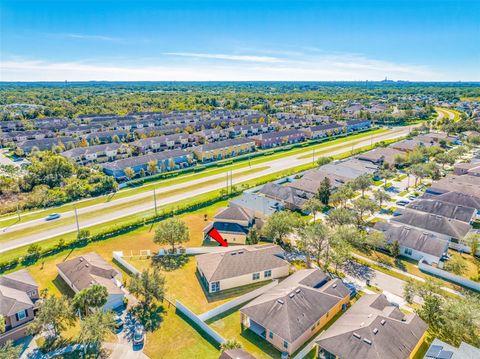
x,y
39,230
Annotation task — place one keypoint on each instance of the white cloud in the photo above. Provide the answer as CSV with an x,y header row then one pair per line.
x,y
246,58
224,67
91,37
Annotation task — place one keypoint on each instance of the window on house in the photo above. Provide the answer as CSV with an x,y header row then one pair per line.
x,y
215,286
408,251
285,344
267,273
22,315
270,335
256,276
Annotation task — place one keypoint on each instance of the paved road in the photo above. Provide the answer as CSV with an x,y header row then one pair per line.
x,y
190,191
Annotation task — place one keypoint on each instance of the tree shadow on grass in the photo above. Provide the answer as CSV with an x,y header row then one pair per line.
x,y
62,287
170,263
150,316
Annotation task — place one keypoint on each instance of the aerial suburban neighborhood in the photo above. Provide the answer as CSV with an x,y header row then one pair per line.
x,y
239,180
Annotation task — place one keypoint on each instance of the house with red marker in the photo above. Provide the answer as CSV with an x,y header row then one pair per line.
x,y
238,267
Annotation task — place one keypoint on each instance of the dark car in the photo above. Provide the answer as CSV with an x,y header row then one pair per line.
x,y
52,216
402,203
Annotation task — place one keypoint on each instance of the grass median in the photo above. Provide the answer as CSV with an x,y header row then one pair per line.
x,y
10,219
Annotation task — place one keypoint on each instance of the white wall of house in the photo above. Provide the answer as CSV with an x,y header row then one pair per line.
x,y
417,255
246,279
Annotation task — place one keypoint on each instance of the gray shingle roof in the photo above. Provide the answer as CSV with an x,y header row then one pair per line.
x,y
232,214
433,223
13,292
460,199
371,329
236,354
413,238
88,269
445,209
286,194
231,264
296,304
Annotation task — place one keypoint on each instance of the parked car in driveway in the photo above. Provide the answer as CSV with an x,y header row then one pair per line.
x,y
139,335
52,216
118,322
403,202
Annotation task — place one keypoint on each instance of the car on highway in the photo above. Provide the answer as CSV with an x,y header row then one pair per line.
x,y
139,335
52,216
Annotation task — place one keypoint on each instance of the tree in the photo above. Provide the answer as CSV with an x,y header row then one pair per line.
x,y
324,191
34,251
363,206
171,231
473,240
279,225
142,173
444,159
9,351
394,248
149,286
386,174
152,167
83,235
380,197
314,241
341,217
94,296
94,328
341,249
312,205
54,314
375,239
456,264
129,173
252,236
399,160
324,161
342,195
230,344
362,183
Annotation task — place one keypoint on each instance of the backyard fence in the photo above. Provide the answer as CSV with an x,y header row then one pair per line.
x,y
118,256
199,322
237,301
449,276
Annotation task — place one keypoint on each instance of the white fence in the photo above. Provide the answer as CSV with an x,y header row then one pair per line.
x,y
449,276
194,318
118,256
237,301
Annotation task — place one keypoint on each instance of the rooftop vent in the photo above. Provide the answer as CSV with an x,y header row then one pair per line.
x,y
292,295
368,341
280,301
298,290
375,330
234,254
335,285
81,259
356,335
383,322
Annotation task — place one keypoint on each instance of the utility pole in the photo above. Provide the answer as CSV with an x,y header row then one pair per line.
x,y
18,212
76,219
313,156
155,202
227,184
231,181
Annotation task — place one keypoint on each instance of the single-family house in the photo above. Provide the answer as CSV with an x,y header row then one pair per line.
x,y
469,185
238,267
294,310
291,198
232,224
81,272
381,155
261,207
441,350
471,168
445,209
18,294
371,329
414,243
238,353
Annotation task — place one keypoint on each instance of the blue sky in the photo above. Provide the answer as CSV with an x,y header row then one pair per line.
x,y
240,40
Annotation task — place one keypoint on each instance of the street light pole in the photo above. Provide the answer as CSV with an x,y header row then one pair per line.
x,y
76,219
155,202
